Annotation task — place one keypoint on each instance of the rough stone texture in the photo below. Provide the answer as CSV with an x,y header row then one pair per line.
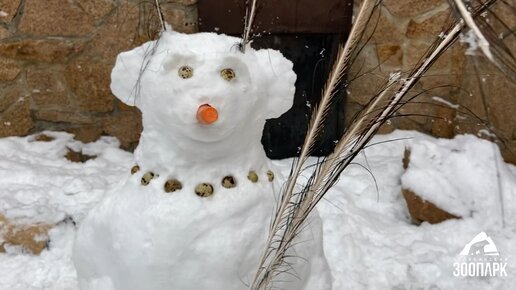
x,y
10,69
126,126
89,82
46,88
424,211
410,8
16,121
9,97
116,35
4,33
54,18
96,8
41,50
32,238
55,116
390,54
9,7
428,27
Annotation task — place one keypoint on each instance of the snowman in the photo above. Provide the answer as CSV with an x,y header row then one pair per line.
x,y
195,210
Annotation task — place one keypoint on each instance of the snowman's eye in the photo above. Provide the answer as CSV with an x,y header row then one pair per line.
x,y
227,74
185,72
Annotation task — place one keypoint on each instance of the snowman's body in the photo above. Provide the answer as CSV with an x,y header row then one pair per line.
x,y
143,236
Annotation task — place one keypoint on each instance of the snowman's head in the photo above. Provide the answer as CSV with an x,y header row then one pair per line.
x,y
201,87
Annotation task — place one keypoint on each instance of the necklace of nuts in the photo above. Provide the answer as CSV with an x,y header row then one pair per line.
x,y
202,189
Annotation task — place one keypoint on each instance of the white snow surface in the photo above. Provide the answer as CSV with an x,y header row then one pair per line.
x,y
368,238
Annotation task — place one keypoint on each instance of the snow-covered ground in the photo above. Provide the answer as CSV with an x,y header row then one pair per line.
x,y
369,239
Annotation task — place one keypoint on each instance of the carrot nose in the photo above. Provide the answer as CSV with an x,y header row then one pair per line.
x,y
207,114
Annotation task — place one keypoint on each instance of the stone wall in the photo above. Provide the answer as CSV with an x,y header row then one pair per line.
x,y
56,57
405,30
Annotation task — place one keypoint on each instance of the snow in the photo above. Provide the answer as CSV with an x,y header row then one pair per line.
x,y
3,13
368,238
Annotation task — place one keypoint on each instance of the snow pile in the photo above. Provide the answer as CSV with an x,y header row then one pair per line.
x,y
38,184
368,238
466,176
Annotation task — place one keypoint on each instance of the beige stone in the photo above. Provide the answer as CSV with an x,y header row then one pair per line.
x,y
87,133
424,211
429,27
55,18
388,30
9,69
410,8
89,82
126,126
17,120
390,54
4,33
46,88
415,50
65,116
117,34
9,96
32,238
97,8
180,20
9,7
43,50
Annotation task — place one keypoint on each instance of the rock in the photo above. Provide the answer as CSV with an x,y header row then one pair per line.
x,y
117,34
97,8
424,211
9,96
9,7
4,33
419,209
183,2
429,27
42,50
180,20
9,69
43,138
89,81
65,116
54,18
126,126
16,121
389,54
46,88
388,30
32,238
410,8
86,134
77,157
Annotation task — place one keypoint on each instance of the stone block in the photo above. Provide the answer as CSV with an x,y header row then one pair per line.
x,y
65,117
9,96
429,27
86,134
9,69
390,54
410,8
46,88
126,126
97,8
180,20
4,33
117,34
31,238
9,8
388,30
16,121
43,50
89,81
55,18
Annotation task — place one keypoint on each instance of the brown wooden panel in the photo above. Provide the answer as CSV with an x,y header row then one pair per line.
x,y
277,16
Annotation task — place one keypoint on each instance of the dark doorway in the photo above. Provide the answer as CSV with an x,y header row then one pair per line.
x,y
306,32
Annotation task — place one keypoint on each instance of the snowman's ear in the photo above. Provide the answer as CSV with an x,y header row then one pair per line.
x,y
279,82
125,76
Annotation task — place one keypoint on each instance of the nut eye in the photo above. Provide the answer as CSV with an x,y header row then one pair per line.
x,y
227,74
185,72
